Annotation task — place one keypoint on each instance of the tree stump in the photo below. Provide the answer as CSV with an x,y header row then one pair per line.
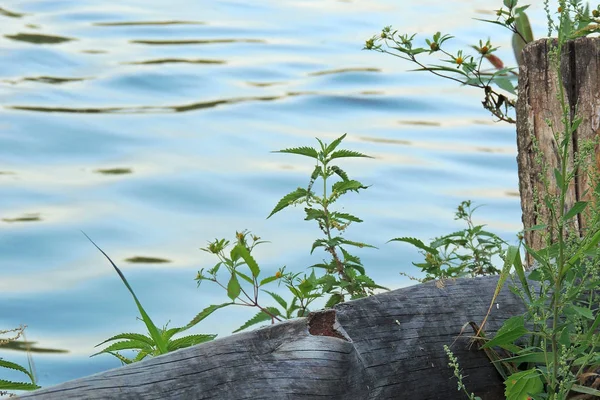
x,y
387,346
537,104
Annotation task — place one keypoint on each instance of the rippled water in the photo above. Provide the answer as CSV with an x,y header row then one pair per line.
x,y
149,125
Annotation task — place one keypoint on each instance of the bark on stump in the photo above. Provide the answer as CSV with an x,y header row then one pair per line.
x,y
538,103
388,346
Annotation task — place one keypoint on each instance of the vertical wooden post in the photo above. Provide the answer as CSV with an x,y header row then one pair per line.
x,y
537,105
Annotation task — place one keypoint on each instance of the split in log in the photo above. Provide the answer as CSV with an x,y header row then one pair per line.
x,y
387,346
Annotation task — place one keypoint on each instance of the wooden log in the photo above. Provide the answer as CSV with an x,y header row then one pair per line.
x,y
537,104
388,346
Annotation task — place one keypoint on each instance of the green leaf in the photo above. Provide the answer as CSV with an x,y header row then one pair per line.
x,y
584,312
585,390
340,172
512,329
129,336
17,367
415,242
303,151
577,208
278,299
524,384
125,345
233,287
347,153
353,243
345,216
258,318
9,385
288,199
268,280
187,341
505,84
250,261
152,329
334,144
335,298
244,277
203,314
344,186
524,28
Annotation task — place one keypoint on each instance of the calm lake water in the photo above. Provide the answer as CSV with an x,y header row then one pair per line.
x,y
149,125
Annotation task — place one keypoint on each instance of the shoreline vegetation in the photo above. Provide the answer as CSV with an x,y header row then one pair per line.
x,y
549,351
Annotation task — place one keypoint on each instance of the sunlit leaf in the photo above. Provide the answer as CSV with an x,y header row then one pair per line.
x,y
288,199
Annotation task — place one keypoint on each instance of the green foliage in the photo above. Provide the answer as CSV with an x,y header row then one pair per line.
x,y
575,21
238,273
158,341
468,252
6,385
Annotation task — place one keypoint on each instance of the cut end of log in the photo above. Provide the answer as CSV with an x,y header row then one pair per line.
x,y
324,323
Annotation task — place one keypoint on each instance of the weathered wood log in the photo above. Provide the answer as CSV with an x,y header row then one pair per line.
x,y
537,104
388,346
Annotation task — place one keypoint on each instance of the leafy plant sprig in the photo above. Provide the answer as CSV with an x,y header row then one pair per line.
x,y
243,284
344,273
6,385
468,252
158,341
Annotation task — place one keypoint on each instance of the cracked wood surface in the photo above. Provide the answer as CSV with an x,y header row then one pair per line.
x,y
537,104
387,346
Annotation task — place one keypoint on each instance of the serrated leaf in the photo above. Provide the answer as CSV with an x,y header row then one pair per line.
x,y
335,298
125,345
10,385
268,280
124,359
512,329
347,153
288,199
233,287
346,216
244,277
17,367
340,172
129,336
524,384
344,186
250,261
303,151
190,340
313,213
278,299
361,245
415,242
332,146
258,318
505,84
204,313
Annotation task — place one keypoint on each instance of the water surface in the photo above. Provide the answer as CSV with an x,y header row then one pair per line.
x,y
149,125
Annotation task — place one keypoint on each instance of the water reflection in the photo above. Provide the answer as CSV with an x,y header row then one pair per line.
x,y
175,61
149,23
6,13
114,171
36,38
343,70
195,41
46,79
147,260
24,218
30,347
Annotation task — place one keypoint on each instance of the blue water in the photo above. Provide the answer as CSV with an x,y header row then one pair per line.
x,y
189,99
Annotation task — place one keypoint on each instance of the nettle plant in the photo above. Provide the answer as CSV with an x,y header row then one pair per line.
x,y
551,351
344,277
6,385
468,252
158,340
